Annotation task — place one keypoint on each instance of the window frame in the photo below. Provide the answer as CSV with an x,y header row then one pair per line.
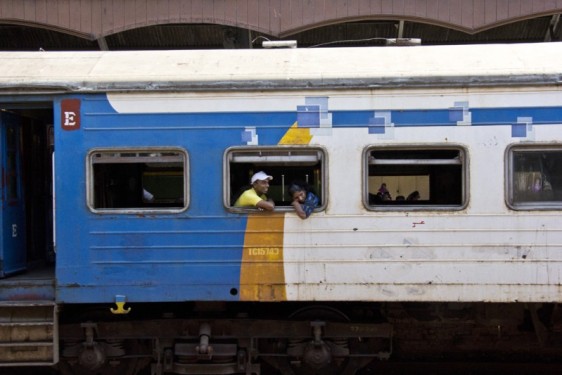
x,y
135,210
465,183
323,159
510,151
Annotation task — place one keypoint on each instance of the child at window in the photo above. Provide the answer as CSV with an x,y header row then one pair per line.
x,y
304,201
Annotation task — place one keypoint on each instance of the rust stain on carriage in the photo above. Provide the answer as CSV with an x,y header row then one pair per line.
x,y
262,274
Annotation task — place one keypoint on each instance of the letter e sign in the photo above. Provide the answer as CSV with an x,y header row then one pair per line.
x,y
70,114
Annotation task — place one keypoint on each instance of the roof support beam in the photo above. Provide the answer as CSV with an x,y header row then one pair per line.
x,y
400,29
552,28
102,43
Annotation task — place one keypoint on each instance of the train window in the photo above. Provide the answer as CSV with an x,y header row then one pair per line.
x,y
415,178
534,177
137,180
284,164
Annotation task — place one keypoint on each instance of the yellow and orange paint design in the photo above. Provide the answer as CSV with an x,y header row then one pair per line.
x,y
262,274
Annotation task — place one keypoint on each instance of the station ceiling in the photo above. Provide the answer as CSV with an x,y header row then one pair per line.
x,y
15,37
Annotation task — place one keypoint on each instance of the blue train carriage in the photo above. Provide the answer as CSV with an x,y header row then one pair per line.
x,y
439,177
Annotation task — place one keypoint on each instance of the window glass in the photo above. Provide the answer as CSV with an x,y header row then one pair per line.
x,y
415,178
284,164
535,177
154,179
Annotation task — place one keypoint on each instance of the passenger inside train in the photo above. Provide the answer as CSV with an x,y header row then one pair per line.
x,y
256,196
283,165
304,200
429,178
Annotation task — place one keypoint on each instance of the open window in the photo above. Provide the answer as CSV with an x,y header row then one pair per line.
x,y
128,180
285,164
534,175
415,178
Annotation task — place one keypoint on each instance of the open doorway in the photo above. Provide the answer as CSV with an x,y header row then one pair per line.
x,y
27,201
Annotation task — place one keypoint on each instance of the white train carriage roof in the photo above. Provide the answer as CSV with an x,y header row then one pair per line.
x,y
262,69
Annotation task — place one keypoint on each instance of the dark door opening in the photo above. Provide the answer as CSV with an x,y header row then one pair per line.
x,y
27,202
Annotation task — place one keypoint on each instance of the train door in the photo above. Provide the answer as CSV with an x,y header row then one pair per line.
x,y
13,255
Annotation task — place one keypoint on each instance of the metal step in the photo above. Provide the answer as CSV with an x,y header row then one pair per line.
x,y
28,333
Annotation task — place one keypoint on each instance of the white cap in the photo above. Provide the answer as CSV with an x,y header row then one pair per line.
x,y
261,175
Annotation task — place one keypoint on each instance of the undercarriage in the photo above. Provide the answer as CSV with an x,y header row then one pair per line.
x,y
328,339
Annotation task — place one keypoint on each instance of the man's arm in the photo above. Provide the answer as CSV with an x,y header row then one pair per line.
x,y
267,205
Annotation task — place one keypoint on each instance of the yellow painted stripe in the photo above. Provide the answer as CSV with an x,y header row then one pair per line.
x,y
296,136
262,276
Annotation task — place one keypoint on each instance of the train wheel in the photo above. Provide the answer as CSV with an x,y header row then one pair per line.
x,y
94,359
316,355
131,366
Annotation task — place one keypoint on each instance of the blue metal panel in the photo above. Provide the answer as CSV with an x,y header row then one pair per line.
x,y
193,255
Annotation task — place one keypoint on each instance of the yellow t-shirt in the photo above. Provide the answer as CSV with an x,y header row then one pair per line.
x,y
249,198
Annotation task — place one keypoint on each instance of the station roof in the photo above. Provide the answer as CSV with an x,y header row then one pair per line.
x,y
200,24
